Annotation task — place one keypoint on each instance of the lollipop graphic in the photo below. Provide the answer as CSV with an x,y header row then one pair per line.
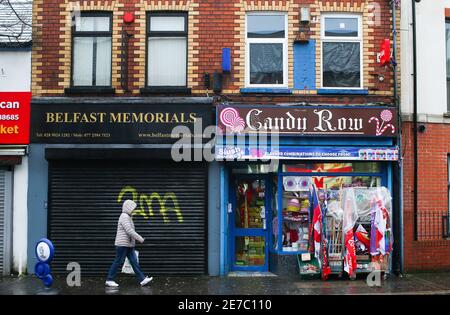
x,y
386,116
230,118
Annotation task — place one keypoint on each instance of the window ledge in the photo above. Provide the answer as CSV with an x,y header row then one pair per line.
x,y
343,91
165,90
266,91
90,90
447,115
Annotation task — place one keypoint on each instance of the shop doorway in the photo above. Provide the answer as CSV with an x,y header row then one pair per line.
x,y
249,223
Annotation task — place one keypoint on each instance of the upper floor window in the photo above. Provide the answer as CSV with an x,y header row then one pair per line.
x,y
167,49
266,49
341,51
91,50
447,40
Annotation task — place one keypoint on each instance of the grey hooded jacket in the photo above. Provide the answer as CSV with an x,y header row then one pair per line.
x,y
126,235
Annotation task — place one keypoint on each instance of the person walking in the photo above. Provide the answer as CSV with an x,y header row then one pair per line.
x,y
126,238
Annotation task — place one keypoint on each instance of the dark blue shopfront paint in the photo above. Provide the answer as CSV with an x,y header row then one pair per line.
x,y
224,198
38,213
235,232
214,211
305,65
37,199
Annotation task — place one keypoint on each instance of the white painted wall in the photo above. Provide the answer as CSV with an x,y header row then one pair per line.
x,y
406,65
431,58
15,76
15,71
20,217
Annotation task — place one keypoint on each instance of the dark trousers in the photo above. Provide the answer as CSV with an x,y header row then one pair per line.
x,y
121,253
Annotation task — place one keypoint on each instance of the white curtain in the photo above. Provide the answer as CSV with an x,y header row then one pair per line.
x,y
92,24
167,23
103,73
82,61
167,61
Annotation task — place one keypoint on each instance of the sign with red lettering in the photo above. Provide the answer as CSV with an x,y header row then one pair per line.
x,y
15,117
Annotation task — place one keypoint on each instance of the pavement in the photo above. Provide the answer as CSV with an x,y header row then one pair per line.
x,y
408,284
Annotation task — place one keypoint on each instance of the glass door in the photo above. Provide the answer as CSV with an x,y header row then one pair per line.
x,y
249,224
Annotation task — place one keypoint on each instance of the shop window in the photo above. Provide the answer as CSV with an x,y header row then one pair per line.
x,y
255,168
359,167
341,51
91,54
266,49
167,50
293,207
251,198
447,39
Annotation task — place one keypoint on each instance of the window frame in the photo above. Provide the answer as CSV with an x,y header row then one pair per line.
x,y
75,33
346,39
149,33
283,41
382,173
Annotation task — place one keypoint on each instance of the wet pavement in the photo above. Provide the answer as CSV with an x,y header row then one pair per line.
x,y
420,283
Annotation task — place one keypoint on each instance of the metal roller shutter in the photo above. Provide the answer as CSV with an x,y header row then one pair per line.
x,y
2,218
84,209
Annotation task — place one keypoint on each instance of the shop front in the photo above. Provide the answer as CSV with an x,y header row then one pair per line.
x,y
14,139
95,156
303,188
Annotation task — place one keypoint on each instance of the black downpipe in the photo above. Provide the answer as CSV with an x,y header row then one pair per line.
x,y
397,191
415,192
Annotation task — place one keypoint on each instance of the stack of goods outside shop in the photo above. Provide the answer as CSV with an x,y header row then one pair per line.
x,y
337,225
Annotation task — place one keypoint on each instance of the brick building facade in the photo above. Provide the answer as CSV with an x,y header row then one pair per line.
x,y
212,25
431,250
276,57
426,241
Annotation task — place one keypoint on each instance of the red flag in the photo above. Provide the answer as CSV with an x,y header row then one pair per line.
x,y
350,253
385,54
317,224
326,270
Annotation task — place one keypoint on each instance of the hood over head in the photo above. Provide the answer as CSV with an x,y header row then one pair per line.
x,y
128,206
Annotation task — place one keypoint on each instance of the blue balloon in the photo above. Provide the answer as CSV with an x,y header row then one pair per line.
x,y
50,254
41,270
48,280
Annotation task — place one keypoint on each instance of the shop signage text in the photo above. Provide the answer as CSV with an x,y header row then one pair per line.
x,y
14,117
306,153
313,120
120,118
115,123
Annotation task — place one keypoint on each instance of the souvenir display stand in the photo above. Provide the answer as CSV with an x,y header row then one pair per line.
x,y
356,232
333,232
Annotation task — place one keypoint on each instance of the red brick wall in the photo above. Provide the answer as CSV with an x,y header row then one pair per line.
x,y
216,28
434,147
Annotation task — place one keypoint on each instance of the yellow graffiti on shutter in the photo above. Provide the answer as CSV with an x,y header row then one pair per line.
x,y
143,199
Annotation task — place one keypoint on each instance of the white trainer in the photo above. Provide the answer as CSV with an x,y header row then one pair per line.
x,y
111,284
146,280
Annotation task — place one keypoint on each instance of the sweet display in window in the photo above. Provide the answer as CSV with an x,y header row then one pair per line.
x,y
296,204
